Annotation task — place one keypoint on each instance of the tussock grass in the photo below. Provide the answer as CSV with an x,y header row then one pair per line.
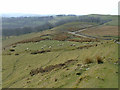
x,y
88,61
99,60
52,62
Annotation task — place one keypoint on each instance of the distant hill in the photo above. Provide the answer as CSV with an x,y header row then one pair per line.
x,y
24,25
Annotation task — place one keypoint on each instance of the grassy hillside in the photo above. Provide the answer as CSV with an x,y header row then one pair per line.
x,y
63,57
13,39
72,26
24,25
83,71
104,31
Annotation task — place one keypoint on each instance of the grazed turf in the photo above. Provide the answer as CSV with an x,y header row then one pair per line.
x,y
16,68
18,64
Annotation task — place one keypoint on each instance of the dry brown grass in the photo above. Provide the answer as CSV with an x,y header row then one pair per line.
x,y
61,36
88,61
102,31
99,60
36,39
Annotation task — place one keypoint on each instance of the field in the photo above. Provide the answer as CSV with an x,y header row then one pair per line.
x,y
56,58
17,65
102,31
105,32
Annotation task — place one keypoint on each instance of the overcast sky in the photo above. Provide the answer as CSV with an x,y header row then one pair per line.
x,y
80,7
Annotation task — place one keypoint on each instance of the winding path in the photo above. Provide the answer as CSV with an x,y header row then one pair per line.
x,y
75,33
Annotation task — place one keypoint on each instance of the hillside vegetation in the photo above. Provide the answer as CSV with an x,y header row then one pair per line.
x,y
73,54
22,25
72,26
86,64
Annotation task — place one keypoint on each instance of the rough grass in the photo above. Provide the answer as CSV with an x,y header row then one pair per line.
x,y
16,68
13,39
88,61
102,31
73,26
99,60
61,37
33,55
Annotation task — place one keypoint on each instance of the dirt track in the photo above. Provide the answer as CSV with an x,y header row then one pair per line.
x,y
86,36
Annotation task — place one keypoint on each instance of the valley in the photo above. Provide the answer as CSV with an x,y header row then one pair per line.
x,y
75,54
